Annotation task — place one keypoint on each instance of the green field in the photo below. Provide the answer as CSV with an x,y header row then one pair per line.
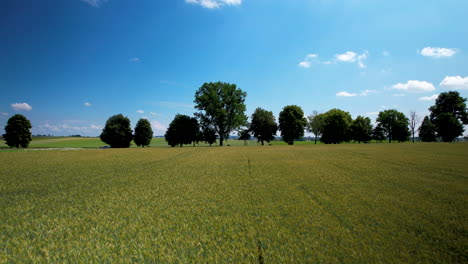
x,y
350,203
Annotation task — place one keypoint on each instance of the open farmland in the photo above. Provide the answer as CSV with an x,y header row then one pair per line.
x,y
350,203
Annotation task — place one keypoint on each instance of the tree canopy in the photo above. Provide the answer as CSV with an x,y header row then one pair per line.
x,y
394,125
18,131
336,126
143,133
315,124
361,129
449,114
221,106
117,132
427,131
244,134
208,135
182,130
263,125
292,123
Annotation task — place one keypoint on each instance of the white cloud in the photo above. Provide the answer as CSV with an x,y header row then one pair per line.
x,y
4,114
95,3
399,94
367,92
214,3
372,113
428,98
158,128
385,53
346,94
135,59
351,57
153,113
348,56
66,128
414,86
87,104
455,82
21,107
307,61
437,52
140,111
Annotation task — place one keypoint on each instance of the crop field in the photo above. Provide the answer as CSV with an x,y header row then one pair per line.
x,y
349,203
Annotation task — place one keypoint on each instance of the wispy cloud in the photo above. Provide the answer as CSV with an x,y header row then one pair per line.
x,y
4,114
140,111
455,82
159,129
135,59
95,3
348,56
437,52
307,61
87,104
68,128
372,113
348,94
21,107
385,53
153,114
211,4
414,86
428,98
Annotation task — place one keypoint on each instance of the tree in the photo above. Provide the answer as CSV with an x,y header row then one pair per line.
x,y
378,133
315,124
361,129
427,132
292,123
244,134
117,132
263,125
182,130
448,114
17,131
413,122
336,126
221,106
143,133
209,135
394,125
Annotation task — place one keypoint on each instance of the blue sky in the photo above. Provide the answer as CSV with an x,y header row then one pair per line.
x,y
68,65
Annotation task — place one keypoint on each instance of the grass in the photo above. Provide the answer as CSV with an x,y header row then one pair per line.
x,y
350,203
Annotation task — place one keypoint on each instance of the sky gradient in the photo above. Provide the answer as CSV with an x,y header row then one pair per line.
x,y
68,65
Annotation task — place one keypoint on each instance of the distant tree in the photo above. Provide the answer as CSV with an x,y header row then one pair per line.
x,y
182,130
449,114
336,126
394,124
209,135
17,131
244,134
315,124
221,106
292,123
117,132
143,133
427,132
263,125
413,121
378,133
361,129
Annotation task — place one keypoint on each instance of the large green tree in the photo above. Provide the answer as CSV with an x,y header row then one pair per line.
x,y
209,135
292,123
117,132
143,133
361,129
449,114
18,131
182,130
394,125
221,106
427,132
244,134
378,133
263,125
315,124
336,126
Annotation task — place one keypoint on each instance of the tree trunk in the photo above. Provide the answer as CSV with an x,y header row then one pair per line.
x,y
180,144
316,140
262,143
221,139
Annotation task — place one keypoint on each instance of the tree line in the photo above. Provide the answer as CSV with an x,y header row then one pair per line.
x,y
221,110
